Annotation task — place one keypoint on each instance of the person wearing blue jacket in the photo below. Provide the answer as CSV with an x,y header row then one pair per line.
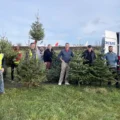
x,y
111,60
65,57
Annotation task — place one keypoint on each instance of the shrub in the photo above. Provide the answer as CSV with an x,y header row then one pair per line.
x,y
7,49
31,72
54,73
98,72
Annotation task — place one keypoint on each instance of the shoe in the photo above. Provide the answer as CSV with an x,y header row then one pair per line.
x,y
67,83
59,84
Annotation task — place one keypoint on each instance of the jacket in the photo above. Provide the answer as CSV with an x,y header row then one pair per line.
x,y
47,57
89,56
66,55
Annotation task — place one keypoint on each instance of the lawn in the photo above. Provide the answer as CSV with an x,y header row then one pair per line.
x,y
52,102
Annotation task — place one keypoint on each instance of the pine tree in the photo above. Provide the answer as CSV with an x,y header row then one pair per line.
x,y
54,73
7,49
37,31
98,72
31,72
101,71
78,72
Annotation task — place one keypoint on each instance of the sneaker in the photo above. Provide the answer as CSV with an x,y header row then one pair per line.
x,y
67,83
59,84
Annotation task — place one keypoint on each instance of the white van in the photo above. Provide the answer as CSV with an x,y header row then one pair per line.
x,y
110,39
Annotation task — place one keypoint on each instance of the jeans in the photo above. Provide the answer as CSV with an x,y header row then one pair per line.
x,y
1,83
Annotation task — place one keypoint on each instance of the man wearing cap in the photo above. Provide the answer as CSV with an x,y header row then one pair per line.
x,y
89,55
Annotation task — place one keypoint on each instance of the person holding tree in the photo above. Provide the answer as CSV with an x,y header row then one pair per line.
x,y
48,54
89,55
112,60
2,65
65,57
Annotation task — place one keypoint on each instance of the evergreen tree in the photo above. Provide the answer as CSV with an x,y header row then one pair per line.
x,y
98,72
53,74
31,72
7,49
37,31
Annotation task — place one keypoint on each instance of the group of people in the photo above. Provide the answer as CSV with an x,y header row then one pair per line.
x,y
64,56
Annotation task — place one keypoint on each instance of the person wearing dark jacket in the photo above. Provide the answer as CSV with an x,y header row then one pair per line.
x,y
48,53
89,55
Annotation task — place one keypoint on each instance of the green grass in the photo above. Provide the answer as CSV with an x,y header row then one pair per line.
x,y
52,102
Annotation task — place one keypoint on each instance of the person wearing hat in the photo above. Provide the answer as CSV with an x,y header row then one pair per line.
x,y
2,65
89,55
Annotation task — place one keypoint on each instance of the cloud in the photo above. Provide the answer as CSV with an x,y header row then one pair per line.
x,y
63,20
97,25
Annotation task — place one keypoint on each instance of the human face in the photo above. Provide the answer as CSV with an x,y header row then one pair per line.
x,y
17,48
89,49
67,46
49,47
110,49
32,46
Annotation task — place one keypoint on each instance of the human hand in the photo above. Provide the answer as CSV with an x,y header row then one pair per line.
x,y
2,70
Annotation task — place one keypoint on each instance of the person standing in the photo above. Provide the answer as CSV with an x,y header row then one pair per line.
x,y
65,57
2,65
112,60
41,53
16,61
89,55
48,54
32,52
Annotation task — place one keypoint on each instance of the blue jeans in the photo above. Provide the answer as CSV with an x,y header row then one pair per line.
x,y
1,83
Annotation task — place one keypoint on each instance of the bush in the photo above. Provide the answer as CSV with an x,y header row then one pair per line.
x,y
54,73
7,49
31,72
98,72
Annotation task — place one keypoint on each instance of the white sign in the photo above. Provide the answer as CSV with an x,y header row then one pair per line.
x,y
110,39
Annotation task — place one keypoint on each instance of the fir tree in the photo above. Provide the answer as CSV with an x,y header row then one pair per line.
x,y
7,49
37,31
31,72
54,73
98,72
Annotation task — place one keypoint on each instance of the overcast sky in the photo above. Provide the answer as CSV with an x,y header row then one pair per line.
x,y
63,20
